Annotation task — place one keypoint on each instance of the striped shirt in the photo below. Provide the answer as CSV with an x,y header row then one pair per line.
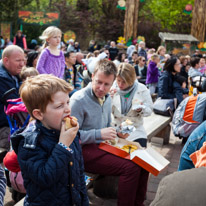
x,y
2,186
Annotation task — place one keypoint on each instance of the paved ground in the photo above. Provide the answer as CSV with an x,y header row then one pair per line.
x,y
170,151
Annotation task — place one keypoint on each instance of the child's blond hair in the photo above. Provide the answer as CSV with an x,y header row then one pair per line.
x,y
153,57
36,92
160,48
48,33
28,72
90,55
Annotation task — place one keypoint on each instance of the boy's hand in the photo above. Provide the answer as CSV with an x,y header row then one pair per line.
x,y
67,136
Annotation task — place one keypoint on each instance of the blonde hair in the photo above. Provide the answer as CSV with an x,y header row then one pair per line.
x,y
151,51
48,33
89,55
28,72
127,73
96,53
36,92
160,48
154,56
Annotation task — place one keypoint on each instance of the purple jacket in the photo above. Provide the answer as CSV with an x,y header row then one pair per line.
x,y
51,64
152,73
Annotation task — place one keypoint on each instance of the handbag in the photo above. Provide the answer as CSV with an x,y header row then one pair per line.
x,y
164,107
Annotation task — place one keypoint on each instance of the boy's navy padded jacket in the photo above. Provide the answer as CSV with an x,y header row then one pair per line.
x,y
52,175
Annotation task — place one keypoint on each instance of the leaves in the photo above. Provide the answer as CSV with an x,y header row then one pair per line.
x,y
169,12
101,19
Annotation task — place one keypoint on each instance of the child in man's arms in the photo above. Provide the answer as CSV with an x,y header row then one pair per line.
x,y
49,155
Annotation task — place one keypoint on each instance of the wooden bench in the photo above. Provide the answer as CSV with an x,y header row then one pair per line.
x,y
158,126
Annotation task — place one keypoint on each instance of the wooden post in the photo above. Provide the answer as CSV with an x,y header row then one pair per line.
x,y
131,19
199,20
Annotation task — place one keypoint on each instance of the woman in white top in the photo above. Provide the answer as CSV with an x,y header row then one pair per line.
x,y
131,101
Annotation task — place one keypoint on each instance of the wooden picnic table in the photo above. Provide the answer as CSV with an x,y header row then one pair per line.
x,y
157,126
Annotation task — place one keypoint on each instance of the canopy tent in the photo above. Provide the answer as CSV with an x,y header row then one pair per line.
x,y
181,38
181,44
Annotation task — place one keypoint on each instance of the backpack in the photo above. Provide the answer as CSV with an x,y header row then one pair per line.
x,y
189,115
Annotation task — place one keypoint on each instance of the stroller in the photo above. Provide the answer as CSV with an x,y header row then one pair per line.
x,y
17,117
16,112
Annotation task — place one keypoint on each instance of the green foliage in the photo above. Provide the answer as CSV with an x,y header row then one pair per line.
x,y
9,11
71,2
37,5
101,19
169,12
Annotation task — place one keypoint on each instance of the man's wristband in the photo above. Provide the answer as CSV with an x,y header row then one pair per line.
x,y
65,147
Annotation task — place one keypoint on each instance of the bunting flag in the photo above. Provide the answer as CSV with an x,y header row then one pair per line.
x,y
121,5
122,8
129,42
187,12
188,9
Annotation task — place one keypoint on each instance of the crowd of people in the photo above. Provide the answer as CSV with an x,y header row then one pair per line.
x,y
100,88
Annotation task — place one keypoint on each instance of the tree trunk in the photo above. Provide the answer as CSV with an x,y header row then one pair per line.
x,y
199,20
50,4
37,4
82,5
131,19
16,16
